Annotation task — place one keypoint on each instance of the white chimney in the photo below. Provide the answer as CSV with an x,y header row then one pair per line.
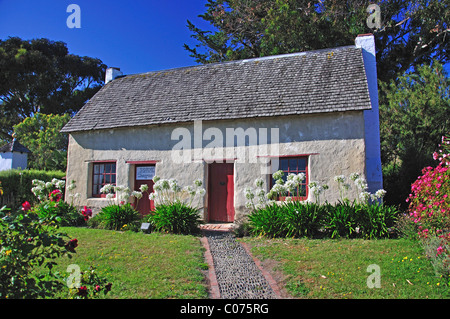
x,y
112,73
371,117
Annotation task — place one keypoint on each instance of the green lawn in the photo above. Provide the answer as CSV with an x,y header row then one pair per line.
x,y
338,268
141,265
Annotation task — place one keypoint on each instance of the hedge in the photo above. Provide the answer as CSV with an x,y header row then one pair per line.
x,y
17,185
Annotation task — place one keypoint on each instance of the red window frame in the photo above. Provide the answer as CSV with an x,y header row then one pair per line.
x,y
291,164
103,173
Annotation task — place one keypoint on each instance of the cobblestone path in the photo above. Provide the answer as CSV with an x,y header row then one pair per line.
x,y
237,275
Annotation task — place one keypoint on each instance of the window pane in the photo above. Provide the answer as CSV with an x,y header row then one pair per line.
x,y
284,164
113,168
96,168
102,168
100,179
107,168
113,179
96,179
301,164
107,179
293,165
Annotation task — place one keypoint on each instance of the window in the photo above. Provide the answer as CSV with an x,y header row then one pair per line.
x,y
295,165
102,174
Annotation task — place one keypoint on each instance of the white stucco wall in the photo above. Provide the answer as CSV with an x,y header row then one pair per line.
x,y
13,160
335,139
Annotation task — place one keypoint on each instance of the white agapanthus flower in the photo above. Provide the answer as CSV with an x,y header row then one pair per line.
x,y
278,175
299,178
361,183
339,179
156,179
249,193
198,182
174,185
380,193
364,196
136,194
71,186
109,196
108,188
143,188
354,176
259,182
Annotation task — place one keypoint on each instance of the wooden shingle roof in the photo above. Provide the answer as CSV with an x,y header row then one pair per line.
x,y
14,146
329,80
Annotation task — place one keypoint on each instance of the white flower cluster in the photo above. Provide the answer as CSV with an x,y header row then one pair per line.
x,y
167,191
41,189
122,193
361,185
280,188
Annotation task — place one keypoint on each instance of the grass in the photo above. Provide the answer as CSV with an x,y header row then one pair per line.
x,y
141,265
337,269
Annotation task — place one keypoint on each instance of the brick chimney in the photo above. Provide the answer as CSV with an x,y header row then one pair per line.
x,y
112,73
371,117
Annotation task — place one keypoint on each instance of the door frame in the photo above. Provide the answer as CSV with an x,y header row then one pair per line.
x,y
150,189
229,200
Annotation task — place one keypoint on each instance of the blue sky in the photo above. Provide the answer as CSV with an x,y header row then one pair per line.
x,y
134,35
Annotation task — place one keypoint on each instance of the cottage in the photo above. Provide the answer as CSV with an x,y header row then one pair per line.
x,y
13,156
229,123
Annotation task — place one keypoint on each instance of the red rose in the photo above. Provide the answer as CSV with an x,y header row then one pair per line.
x,y
55,195
26,206
87,213
82,291
71,245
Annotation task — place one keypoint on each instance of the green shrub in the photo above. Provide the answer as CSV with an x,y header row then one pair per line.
x,y
302,219
17,185
376,220
116,217
267,221
340,219
176,217
67,214
344,219
28,241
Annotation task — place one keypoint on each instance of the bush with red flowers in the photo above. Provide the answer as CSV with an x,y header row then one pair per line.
x,y
26,242
429,206
90,285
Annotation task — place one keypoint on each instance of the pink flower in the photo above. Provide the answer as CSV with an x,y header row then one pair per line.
x,y
439,250
86,212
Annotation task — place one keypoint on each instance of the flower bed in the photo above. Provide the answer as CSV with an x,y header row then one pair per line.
x,y
429,207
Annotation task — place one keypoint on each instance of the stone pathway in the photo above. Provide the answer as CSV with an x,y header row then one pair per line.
x,y
234,271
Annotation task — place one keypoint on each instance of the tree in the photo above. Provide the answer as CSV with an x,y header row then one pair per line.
x,y
40,76
412,32
413,118
41,135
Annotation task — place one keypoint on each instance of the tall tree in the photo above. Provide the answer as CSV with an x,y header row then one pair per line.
x,y
40,134
40,76
412,121
411,33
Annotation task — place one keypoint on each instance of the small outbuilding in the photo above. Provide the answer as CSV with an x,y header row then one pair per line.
x,y
13,156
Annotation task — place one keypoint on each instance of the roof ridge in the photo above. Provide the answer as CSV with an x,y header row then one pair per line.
x,y
269,57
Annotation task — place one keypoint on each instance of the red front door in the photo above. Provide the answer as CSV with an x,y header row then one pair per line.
x,y
221,192
144,175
